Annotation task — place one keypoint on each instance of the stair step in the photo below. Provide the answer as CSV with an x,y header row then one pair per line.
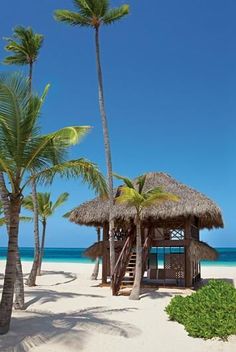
x,y
129,280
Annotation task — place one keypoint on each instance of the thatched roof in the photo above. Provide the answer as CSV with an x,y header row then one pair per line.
x,y
96,249
191,202
200,250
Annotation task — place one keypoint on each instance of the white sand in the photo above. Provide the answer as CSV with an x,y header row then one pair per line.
x,y
68,312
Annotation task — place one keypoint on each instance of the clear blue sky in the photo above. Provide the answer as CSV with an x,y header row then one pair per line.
x,y
170,87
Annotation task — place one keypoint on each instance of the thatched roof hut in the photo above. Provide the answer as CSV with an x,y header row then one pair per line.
x,y
191,203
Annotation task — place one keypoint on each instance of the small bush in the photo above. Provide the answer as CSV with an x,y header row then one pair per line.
x,y
210,312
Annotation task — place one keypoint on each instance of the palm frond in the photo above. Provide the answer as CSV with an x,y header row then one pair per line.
x,y
129,196
116,14
126,180
60,200
141,182
50,148
46,207
85,169
156,197
72,18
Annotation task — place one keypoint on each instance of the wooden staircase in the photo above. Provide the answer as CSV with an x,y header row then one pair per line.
x,y
124,264
128,278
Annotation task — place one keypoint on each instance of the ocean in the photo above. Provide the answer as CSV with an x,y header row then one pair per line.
x,y
227,256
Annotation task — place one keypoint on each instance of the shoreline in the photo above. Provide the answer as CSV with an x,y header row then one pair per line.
x,y
222,264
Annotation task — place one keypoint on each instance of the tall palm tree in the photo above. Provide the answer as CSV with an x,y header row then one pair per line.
x,y
46,209
23,151
94,14
133,194
25,46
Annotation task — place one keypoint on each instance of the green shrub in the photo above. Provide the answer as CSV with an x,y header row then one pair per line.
x,y
210,312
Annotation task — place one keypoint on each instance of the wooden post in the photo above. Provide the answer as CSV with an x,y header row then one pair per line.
x,y
105,252
188,263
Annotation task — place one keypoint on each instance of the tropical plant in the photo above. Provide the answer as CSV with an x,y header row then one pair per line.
x,y
46,208
23,151
25,46
133,195
209,312
94,14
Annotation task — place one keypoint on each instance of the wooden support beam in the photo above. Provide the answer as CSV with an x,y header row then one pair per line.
x,y
105,256
188,262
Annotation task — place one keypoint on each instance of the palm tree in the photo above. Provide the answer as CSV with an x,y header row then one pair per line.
x,y
46,209
23,151
94,14
25,46
134,195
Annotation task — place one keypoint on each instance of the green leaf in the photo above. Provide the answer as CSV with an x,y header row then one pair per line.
x,y
114,15
85,169
126,180
72,18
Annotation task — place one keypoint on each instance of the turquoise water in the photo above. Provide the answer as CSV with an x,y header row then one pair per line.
x,y
227,256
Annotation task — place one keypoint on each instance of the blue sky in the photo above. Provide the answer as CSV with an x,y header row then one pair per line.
x,y
170,88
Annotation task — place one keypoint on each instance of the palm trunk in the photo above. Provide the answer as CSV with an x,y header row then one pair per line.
x,y
19,303
19,284
94,275
10,271
107,151
138,268
31,281
42,246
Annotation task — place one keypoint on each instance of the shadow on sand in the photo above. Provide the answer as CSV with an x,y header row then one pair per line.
x,y
46,296
155,294
69,277
72,330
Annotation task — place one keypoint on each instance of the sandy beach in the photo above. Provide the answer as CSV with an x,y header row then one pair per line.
x,y
69,312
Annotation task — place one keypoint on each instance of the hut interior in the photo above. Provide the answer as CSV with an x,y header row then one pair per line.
x,y
171,249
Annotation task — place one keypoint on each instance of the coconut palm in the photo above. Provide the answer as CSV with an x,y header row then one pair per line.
x,y
23,152
46,209
134,195
25,46
95,14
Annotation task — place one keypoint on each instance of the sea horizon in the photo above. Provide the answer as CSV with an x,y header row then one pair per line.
x,y
226,255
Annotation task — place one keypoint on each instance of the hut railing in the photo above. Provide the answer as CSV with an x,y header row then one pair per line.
x,y
121,264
